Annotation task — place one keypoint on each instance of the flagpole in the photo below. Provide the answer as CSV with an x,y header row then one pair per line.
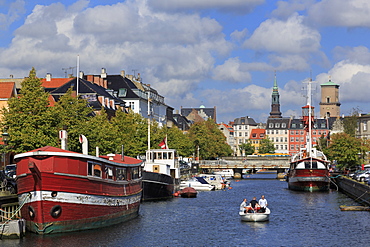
x,y
78,73
148,120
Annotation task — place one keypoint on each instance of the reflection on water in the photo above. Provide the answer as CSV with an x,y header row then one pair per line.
x,y
212,219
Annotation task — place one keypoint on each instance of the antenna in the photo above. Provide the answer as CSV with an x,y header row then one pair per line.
x,y
66,69
134,72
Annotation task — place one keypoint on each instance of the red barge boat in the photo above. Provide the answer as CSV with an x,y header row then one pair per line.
x,y
309,168
67,191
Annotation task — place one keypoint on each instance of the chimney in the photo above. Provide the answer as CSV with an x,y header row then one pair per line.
x,y
90,78
48,77
123,73
81,75
103,73
11,76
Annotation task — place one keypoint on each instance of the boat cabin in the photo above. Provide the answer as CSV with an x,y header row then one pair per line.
x,y
162,161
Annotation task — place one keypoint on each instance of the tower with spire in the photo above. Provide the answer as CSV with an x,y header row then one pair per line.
x,y
275,104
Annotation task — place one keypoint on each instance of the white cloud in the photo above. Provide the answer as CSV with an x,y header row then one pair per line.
x,y
231,71
285,9
290,37
232,6
354,13
15,10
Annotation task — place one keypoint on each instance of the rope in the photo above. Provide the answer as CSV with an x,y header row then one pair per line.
x,y
15,212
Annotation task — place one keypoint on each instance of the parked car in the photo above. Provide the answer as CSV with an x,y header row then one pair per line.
x,y
10,170
354,174
8,183
361,176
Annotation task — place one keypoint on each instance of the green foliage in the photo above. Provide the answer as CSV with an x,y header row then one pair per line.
x,y
345,149
266,146
247,148
350,123
30,121
209,139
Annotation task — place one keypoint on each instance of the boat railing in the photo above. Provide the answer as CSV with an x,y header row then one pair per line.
x,y
9,211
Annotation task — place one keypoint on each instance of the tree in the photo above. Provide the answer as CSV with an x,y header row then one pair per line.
x,y
351,123
29,119
247,148
346,150
266,146
71,113
209,139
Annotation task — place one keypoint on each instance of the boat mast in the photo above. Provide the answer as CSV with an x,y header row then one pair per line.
x,y
148,120
309,142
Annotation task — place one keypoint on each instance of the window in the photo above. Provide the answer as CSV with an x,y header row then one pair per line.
x,y
281,139
323,125
277,125
365,125
134,173
246,134
320,132
297,139
292,132
108,170
297,147
302,139
240,127
122,92
94,169
268,132
121,173
286,132
292,139
131,105
294,125
271,125
240,133
292,147
283,125
297,132
301,132
286,139
314,132
281,147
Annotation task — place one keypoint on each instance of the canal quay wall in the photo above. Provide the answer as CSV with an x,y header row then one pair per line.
x,y
359,191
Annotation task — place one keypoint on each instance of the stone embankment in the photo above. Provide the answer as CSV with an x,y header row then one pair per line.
x,y
359,191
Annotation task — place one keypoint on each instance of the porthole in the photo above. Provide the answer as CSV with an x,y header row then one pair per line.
x,y
56,211
31,212
54,193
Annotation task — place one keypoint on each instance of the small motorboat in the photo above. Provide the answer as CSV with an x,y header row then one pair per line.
x,y
255,216
188,192
198,183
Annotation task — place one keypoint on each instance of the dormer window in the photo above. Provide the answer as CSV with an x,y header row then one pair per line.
x,y
122,92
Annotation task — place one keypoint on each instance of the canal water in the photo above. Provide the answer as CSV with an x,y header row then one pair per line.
x,y
211,219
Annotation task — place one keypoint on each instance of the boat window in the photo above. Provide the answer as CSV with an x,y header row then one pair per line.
x,y
314,164
154,156
108,172
307,165
159,156
94,169
134,173
164,156
170,156
121,173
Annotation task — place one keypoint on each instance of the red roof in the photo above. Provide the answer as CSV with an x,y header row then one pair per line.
x,y
55,82
257,133
6,89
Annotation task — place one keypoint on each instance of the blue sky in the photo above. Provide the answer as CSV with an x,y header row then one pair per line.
x,y
221,53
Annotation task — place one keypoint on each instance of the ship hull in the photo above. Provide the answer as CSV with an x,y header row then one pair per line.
x,y
309,180
157,186
65,191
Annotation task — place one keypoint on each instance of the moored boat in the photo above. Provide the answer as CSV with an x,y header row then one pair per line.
x,y
188,192
309,168
160,175
217,180
255,216
197,183
66,191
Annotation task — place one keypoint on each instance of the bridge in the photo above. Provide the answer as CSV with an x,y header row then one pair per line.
x,y
254,163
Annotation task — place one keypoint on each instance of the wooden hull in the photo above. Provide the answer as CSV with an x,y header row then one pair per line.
x,y
255,217
60,195
157,186
188,192
309,180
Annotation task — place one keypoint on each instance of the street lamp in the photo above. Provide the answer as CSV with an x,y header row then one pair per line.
x,y
5,141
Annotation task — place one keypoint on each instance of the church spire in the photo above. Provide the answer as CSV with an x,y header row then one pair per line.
x,y
275,101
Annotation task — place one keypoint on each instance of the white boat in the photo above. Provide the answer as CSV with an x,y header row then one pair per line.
x,y
226,173
217,180
254,217
197,183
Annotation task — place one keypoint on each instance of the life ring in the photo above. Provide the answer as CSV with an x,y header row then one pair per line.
x,y
56,211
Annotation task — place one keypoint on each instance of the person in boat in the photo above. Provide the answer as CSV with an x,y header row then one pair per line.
x,y
243,205
253,206
263,204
